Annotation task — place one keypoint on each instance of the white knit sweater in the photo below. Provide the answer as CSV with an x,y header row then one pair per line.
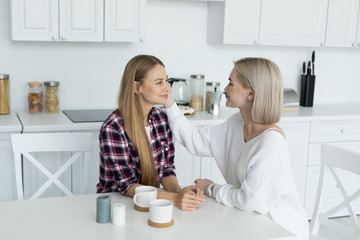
x,y
257,172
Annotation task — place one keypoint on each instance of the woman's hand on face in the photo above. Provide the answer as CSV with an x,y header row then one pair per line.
x,y
202,183
170,100
188,199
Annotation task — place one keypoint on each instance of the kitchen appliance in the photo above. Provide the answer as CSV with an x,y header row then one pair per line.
x,y
180,91
88,115
4,94
214,102
210,87
291,99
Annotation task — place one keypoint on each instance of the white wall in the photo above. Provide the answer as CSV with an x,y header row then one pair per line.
x,y
90,73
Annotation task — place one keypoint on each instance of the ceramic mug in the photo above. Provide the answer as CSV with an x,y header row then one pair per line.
x,y
161,211
143,196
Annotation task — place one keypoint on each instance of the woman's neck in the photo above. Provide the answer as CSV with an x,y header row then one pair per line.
x,y
146,111
251,128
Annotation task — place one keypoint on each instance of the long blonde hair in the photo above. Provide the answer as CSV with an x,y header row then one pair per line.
x,y
264,77
130,108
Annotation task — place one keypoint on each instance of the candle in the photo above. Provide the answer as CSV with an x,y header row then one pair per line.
x,y
118,214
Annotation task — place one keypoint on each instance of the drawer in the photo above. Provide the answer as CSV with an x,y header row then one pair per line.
x,y
314,158
334,131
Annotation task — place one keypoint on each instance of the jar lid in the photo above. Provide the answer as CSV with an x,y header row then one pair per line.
x,y
197,76
51,84
4,76
35,84
213,84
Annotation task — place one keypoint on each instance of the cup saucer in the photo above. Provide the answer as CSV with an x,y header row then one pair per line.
x,y
161,225
141,209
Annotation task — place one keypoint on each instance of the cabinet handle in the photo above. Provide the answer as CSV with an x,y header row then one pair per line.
x,y
63,38
358,44
322,44
342,131
256,41
354,44
54,38
142,39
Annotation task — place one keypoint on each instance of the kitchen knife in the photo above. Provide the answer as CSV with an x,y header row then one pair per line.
x,y
313,62
309,68
304,68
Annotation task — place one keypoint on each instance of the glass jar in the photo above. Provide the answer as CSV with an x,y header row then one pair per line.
x,y
4,94
210,88
180,91
197,92
51,98
35,97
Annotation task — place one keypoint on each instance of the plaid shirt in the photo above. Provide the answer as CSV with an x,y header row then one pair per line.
x,y
119,160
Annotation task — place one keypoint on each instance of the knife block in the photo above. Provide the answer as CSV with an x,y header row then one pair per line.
x,y
307,87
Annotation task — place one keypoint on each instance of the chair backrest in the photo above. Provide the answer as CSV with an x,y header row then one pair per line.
x,y
342,157
77,143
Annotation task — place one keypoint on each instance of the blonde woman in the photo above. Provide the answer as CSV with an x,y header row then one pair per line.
x,y
250,149
127,158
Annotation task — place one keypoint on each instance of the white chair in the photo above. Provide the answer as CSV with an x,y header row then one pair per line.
x,y
346,159
77,143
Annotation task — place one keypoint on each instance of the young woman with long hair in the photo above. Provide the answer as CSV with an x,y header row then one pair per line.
x,y
136,143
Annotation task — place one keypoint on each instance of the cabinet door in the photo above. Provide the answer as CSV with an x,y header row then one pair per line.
x,y
7,169
81,20
124,20
234,22
187,166
297,135
342,23
35,20
293,23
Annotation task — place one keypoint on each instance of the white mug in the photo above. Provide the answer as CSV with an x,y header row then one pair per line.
x,y
161,211
143,196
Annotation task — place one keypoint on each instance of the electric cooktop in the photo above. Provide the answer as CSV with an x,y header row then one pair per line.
x,y
88,115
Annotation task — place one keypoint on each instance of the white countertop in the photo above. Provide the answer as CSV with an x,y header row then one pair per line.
x,y
45,122
74,218
10,123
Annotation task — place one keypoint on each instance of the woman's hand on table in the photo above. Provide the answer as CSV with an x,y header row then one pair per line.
x,y
202,183
189,198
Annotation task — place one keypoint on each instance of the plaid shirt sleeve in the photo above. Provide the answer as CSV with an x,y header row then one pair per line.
x,y
116,173
169,165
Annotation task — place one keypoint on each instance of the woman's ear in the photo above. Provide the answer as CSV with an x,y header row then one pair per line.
x,y
250,96
136,87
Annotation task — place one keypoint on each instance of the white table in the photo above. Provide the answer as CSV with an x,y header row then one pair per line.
x,y
67,218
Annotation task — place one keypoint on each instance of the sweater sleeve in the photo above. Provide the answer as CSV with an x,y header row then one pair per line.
x,y
260,182
196,140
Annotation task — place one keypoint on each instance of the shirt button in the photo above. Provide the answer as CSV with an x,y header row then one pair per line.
x,y
166,149
149,121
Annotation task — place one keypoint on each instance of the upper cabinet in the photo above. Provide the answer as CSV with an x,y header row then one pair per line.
x,y
57,20
293,23
342,24
78,20
124,20
234,22
308,23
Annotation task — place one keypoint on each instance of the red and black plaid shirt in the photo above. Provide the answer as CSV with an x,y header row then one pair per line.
x,y
119,160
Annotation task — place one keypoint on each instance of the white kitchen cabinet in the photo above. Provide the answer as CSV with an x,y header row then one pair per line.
x,y
7,169
342,24
9,124
233,22
293,23
124,20
57,20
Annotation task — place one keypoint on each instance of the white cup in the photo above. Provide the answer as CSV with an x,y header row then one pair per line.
x,y
143,196
161,211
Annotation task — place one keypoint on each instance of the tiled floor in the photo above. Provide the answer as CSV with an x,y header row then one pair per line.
x,y
331,234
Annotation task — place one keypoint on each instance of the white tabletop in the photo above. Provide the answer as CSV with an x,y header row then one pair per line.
x,y
66,218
